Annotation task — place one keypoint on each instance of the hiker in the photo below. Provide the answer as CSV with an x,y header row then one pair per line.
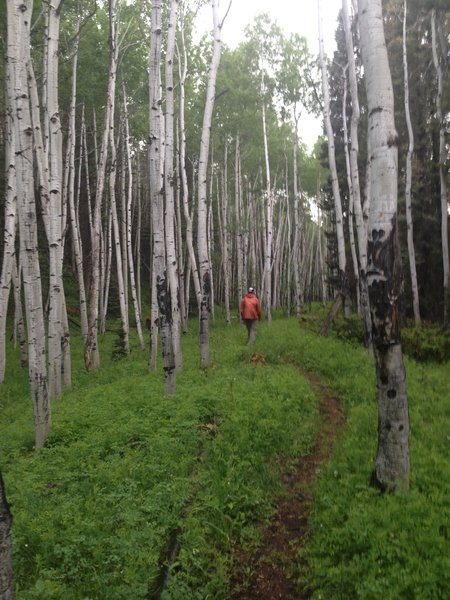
x,y
250,309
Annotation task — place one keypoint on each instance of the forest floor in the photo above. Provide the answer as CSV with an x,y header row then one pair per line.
x,y
268,573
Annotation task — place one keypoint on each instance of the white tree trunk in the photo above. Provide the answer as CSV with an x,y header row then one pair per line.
x,y
351,199
169,183
19,323
129,224
6,569
19,18
56,332
184,182
361,224
91,350
118,239
240,225
202,235
73,217
333,170
9,225
269,222
442,173
162,291
225,236
384,264
296,242
408,203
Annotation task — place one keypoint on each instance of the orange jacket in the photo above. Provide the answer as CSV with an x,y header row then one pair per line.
x,y
250,307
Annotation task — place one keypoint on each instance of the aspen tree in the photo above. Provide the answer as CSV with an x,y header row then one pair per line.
x,y
192,266
91,350
9,227
269,217
351,199
224,237
384,266
169,184
19,323
296,242
161,291
128,226
355,188
73,217
333,170
240,225
118,239
6,570
19,16
409,155
442,172
202,235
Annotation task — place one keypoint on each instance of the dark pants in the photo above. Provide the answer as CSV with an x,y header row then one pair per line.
x,y
251,330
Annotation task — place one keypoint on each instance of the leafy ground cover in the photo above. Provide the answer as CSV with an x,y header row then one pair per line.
x,y
140,496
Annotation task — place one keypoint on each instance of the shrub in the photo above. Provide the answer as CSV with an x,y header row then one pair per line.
x,y
426,343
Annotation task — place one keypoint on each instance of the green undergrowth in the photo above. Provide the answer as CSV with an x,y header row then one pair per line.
x,y
96,510
126,472
364,544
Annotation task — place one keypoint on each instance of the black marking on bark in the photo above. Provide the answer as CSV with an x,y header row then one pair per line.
x,y
392,140
163,297
391,394
375,110
384,267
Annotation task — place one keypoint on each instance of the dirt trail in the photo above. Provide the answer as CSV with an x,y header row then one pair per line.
x,y
271,568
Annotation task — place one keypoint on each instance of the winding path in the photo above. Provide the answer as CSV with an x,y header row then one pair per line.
x,y
270,574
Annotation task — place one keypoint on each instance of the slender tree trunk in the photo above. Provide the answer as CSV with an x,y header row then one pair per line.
x,y
169,184
73,219
6,570
361,230
9,258
184,181
19,323
19,17
384,264
334,178
408,203
351,199
56,332
162,291
225,236
442,173
202,235
269,222
240,253
91,350
128,225
296,252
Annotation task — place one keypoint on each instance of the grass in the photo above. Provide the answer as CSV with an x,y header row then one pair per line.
x,y
127,471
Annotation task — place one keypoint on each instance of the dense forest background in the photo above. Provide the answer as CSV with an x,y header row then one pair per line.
x,y
168,172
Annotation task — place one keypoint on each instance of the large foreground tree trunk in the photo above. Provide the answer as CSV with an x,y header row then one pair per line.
x,y
384,266
442,172
6,574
